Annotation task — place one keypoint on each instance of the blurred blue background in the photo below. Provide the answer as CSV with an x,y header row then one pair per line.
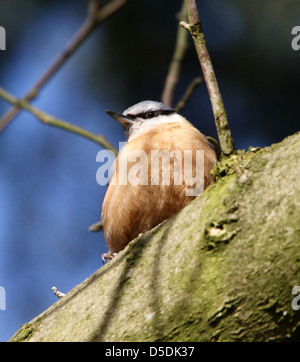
x,y
48,191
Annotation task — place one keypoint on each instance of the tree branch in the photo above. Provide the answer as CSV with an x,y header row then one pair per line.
x,y
174,69
195,28
95,16
188,93
55,122
203,298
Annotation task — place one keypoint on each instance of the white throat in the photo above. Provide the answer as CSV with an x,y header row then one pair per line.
x,y
141,125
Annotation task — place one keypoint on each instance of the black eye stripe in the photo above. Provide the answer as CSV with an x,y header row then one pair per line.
x,y
151,114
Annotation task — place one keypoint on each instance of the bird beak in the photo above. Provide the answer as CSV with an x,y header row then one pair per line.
x,y
125,121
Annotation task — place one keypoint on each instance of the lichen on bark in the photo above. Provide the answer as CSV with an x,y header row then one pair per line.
x,y
222,269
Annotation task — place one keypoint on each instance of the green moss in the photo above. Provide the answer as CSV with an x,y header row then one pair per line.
x,y
222,269
24,333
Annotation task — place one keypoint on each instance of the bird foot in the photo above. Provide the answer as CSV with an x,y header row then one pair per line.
x,y
107,256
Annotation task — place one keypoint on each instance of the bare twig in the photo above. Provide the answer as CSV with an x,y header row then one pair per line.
x,y
55,122
95,16
174,69
96,227
188,93
57,292
195,28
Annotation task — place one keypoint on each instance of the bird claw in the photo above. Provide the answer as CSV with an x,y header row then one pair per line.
x,y
107,256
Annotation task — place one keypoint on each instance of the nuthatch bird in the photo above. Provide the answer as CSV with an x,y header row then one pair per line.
x,y
161,139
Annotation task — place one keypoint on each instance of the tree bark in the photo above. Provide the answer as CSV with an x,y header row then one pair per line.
x,y
222,269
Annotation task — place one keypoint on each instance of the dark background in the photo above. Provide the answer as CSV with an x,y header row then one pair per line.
x,y
48,190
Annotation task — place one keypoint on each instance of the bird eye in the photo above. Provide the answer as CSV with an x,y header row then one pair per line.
x,y
150,114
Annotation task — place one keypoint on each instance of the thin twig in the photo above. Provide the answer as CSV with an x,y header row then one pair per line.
x,y
188,93
55,122
195,28
95,16
174,69
57,292
96,227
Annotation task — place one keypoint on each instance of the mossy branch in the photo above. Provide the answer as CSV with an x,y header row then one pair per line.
x,y
55,122
235,252
195,28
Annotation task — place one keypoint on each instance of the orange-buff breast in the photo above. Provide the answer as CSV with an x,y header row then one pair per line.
x,y
130,209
